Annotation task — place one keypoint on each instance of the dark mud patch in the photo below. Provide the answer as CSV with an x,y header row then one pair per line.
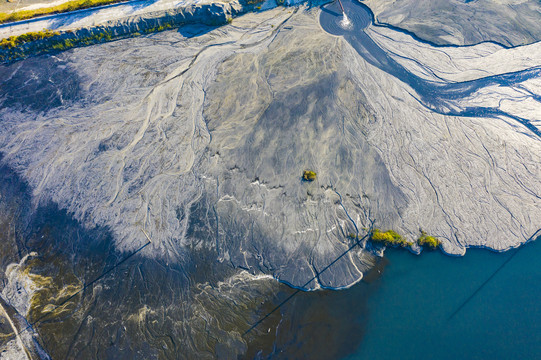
x,y
38,84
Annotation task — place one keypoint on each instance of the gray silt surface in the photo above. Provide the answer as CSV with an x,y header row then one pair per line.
x,y
433,95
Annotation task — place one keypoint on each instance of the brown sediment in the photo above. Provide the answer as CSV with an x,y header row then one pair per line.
x,y
326,324
377,271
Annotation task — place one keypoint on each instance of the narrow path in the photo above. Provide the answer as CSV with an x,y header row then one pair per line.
x,y
92,16
68,13
8,312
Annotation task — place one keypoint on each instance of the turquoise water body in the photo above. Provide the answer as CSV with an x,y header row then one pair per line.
x,y
410,315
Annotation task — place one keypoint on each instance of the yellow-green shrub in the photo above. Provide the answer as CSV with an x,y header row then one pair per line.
x,y
309,175
389,237
429,241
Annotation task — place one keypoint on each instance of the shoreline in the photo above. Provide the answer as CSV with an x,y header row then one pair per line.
x,y
210,14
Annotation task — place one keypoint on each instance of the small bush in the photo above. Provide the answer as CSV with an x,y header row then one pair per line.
x,y
309,175
428,241
389,237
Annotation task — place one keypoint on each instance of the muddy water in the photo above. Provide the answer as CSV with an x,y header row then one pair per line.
x,y
145,309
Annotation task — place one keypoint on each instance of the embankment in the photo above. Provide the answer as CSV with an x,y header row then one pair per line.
x,y
211,14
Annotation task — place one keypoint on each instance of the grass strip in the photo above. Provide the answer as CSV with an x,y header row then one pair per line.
x,y
14,41
62,8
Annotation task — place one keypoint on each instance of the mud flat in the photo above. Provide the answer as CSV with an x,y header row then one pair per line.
x,y
463,22
201,135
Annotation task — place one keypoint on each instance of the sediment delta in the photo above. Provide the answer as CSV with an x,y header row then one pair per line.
x,y
203,140
201,137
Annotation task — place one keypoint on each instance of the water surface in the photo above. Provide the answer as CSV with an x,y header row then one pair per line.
x,y
411,312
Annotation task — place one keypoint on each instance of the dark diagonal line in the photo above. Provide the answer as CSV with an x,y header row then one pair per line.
x,y
483,284
87,285
308,282
271,312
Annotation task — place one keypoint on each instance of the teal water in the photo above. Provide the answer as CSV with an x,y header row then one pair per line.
x,y
411,312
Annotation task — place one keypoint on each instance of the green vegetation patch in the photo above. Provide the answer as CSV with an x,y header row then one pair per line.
x,y
82,41
428,241
19,47
389,238
162,27
309,175
62,8
254,2
14,41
